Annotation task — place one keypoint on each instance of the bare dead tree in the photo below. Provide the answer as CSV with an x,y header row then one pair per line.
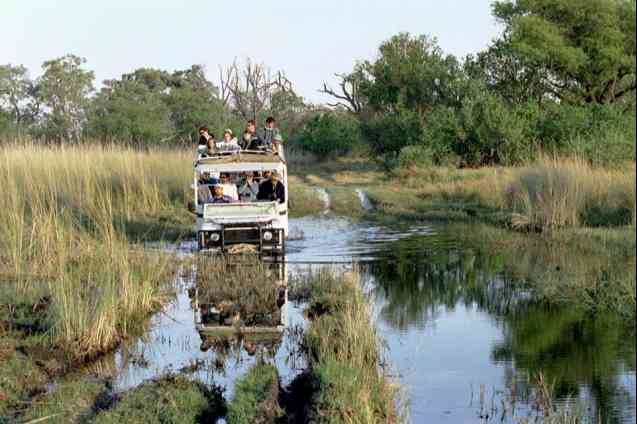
x,y
248,89
348,96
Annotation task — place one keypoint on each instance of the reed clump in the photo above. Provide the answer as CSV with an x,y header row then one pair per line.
x,y
553,194
64,245
344,352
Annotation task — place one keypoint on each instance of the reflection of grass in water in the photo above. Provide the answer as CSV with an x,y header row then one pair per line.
x,y
566,307
246,289
540,400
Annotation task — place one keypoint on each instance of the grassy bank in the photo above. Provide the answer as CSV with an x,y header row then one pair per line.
x,y
256,397
171,399
345,355
547,196
72,285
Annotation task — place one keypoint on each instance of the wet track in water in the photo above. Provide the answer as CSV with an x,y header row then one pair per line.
x,y
453,326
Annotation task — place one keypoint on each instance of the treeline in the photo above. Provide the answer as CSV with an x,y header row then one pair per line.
x,y
560,79
144,107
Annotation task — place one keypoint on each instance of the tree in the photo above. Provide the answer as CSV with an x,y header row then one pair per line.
x,y
348,96
507,73
249,90
64,90
128,110
584,49
18,95
411,72
152,105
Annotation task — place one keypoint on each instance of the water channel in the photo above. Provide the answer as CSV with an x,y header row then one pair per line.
x,y
464,338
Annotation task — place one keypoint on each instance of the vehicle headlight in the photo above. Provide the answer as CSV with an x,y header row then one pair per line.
x,y
267,236
215,237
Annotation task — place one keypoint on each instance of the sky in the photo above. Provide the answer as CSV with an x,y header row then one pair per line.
x,y
310,41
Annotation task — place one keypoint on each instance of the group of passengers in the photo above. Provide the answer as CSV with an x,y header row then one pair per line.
x,y
269,139
248,187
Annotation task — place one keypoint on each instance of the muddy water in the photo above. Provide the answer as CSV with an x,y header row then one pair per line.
x,y
464,337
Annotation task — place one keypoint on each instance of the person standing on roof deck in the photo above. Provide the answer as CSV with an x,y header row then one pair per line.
x,y
272,189
270,131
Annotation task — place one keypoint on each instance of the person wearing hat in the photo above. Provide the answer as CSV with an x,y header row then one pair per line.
x,y
272,189
218,196
228,143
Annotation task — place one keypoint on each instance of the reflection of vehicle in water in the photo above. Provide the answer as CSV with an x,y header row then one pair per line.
x,y
258,225
254,312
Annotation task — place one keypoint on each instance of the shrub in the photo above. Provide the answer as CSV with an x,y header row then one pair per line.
x,y
415,156
387,134
329,134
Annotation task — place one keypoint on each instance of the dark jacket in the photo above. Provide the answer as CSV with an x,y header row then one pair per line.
x,y
222,199
256,143
269,192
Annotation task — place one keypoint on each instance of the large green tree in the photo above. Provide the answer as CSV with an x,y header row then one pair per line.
x,y
411,72
584,49
64,90
151,105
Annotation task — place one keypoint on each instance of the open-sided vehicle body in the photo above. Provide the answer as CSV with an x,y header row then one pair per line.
x,y
261,225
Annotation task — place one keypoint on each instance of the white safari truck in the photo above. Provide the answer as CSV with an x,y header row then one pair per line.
x,y
229,227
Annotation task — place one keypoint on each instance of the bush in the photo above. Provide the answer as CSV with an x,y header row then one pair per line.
x,y
415,156
330,133
484,131
387,134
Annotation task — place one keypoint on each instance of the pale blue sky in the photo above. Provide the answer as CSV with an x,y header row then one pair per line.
x,y
309,40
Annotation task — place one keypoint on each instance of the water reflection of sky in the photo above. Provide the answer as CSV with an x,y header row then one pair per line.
x,y
450,322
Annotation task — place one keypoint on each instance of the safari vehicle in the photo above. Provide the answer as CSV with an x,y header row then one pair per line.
x,y
227,227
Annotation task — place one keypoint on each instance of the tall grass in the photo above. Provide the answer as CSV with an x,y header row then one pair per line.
x,y
344,352
65,210
553,194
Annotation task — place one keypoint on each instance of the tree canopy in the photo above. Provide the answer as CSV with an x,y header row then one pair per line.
x,y
585,49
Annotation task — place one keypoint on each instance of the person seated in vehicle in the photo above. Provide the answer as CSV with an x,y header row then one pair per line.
x,y
255,142
208,179
218,196
203,194
229,188
249,189
204,137
272,189
228,143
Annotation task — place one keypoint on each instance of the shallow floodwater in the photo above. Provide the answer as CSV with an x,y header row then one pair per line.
x,y
464,338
